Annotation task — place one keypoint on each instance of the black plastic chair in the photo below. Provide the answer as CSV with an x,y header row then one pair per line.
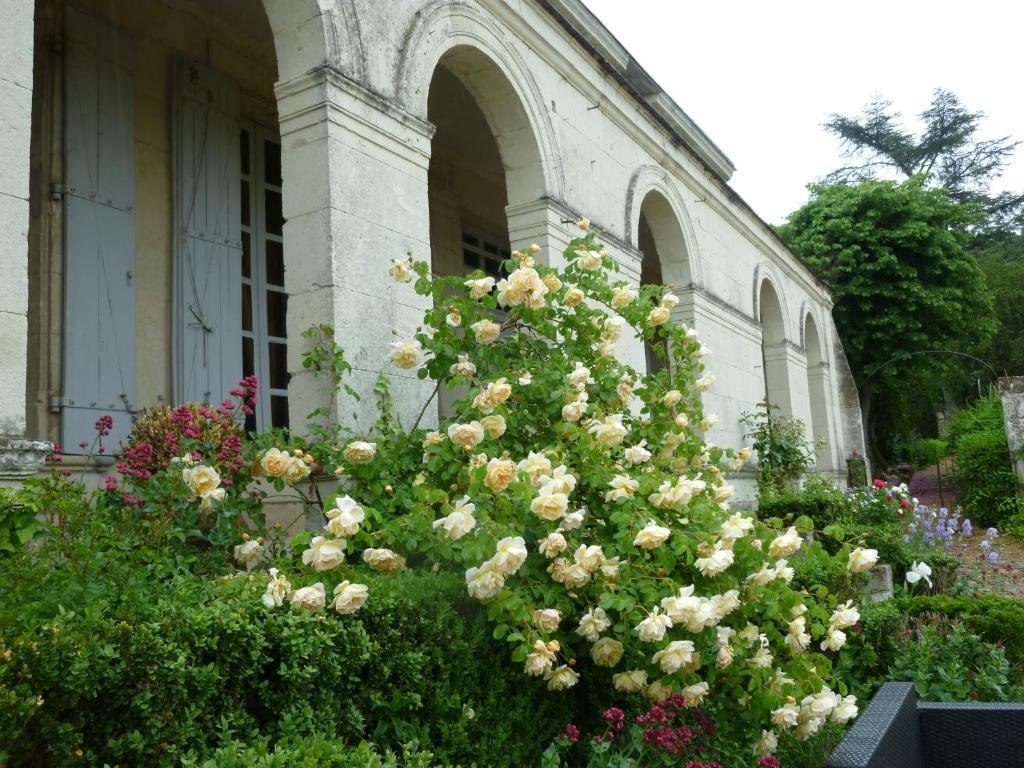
x,y
897,731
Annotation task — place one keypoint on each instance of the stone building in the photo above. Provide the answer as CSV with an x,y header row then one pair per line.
x,y
187,185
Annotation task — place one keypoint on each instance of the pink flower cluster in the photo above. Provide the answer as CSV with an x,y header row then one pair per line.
x,y
665,729
136,461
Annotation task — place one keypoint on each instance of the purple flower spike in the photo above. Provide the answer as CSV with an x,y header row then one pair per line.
x,y
993,557
968,528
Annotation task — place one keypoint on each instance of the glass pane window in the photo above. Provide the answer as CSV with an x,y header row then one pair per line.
x,y
486,252
264,302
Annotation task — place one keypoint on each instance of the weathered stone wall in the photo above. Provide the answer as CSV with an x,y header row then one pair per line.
x,y
1011,391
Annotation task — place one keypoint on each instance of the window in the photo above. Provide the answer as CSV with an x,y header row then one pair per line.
x,y
264,302
483,252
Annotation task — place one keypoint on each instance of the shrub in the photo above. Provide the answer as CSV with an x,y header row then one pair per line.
x,y
145,673
819,499
985,480
996,619
306,752
783,453
927,451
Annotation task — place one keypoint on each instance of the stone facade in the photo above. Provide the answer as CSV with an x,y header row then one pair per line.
x,y
1011,392
405,126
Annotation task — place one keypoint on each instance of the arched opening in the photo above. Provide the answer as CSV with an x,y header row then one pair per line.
x,y
773,350
660,240
817,378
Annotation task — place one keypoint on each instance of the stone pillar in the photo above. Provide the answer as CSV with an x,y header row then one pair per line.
x,y
1011,391
19,458
355,197
819,385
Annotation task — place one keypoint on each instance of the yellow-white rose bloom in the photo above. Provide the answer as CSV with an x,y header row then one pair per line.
x,y
717,561
201,479
637,454
485,331
311,598
509,556
558,480
845,615
248,552
480,287
459,521
466,436
786,544
345,517
207,498
552,544
622,487
622,296
606,652
658,316
786,716
407,354
589,557
694,694
539,660
383,560
561,678
324,554
464,367
401,270
274,462
348,597
485,581
572,297
547,619
651,536
609,432
862,560
500,474
592,624
671,398
652,629
278,589
632,681
524,286
549,505
767,744
834,639
360,452
494,425
845,710
736,527
674,656
705,382
589,260
536,466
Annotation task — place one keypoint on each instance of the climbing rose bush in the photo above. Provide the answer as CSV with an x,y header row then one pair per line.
x,y
581,501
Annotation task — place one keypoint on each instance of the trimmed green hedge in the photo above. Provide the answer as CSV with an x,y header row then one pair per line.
x,y
819,500
148,675
994,618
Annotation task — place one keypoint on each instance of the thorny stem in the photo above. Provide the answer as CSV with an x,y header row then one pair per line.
x,y
423,410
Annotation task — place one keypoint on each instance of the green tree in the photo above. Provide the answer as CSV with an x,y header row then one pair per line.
x,y
893,255
1002,261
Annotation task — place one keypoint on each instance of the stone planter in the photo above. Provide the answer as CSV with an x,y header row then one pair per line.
x,y
898,731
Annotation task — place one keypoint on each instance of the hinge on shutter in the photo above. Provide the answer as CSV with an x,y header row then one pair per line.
x,y
57,191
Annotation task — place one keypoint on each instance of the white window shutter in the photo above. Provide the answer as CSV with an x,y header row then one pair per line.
x,y
207,287
99,297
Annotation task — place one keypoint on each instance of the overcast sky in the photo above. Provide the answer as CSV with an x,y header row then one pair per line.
x,y
760,77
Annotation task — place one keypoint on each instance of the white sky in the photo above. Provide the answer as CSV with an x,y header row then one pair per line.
x,y
760,77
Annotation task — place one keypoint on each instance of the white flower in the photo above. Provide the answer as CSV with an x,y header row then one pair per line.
x,y
572,297
606,652
349,598
694,694
786,716
464,367
407,354
547,619
716,562
510,555
708,422
834,640
524,286
845,615
484,582
623,487
552,544
383,560
360,452
592,624
480,287
786,544
573,412
622,296
494,425
401,269
862,560
637,454
248,552
845,710
672,398
311,598
549,504
500,474
590,557
324,554
485,331
466,436
674,656
579,377
539,660
588,260
459,521
574,520
630,682
767,744
561,678
278,589
652,629
736,527
560,480
535,465
201,480
919,571
526,379
609,432
651,536
345,518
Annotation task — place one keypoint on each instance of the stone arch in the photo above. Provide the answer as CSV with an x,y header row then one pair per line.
x,y
774,346
309,34
767,271
681,261
817,389
475,48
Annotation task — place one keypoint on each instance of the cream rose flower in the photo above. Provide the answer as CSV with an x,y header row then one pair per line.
x,y
834,639
248,552
630,682
705,382
547,619
459,521
348,597
637,454
606,652
652,629
484,582
573,412
201,479
278,589
561,678
311,598
671,398
274,462
466,436
549,505
383,560
736,527
658,316
454,317
539,660
510,554
324,554
845,710
480,287
590,557
786,716
708,422
572,297
560,480
719,559
589,260
485,331
344,519
674,656
694,694
622,487
401,269
592,624
407,354
622,296
552,544
360,452
552,282
535,465
206,499
862,560
524,286
494,425
297,470
500,474
573,520
845,615
464,367
786,544
651,536
609,432
767,744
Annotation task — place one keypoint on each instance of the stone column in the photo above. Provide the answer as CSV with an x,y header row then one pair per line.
x,y
1011,391
355,197
19,458
819,384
